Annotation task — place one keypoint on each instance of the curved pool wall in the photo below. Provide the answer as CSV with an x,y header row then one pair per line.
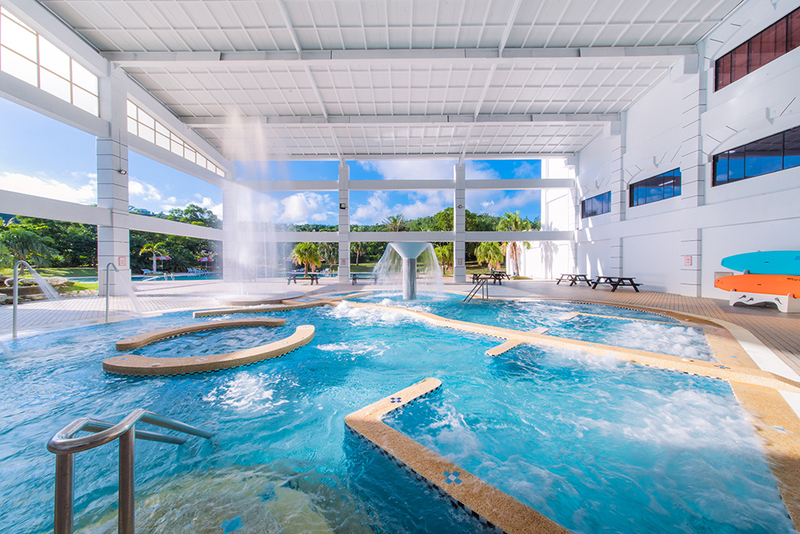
x,y
498,416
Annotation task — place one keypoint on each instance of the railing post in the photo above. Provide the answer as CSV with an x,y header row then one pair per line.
x,y
126,507
63,502
16,301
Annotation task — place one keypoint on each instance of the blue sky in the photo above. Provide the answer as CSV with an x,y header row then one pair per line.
x,y
41,156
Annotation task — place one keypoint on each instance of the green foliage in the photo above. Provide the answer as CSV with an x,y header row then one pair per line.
x,y
512,222
26,244
395,223
489,252
444,255
306,254
329,252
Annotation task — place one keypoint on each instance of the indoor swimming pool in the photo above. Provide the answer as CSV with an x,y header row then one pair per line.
x,y
594,443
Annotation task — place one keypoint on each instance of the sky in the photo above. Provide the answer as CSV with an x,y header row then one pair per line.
x,y
41,156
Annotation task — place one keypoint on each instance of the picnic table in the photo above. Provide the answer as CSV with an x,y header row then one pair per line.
x,y
354,277
574,279
615,282
294,277
495,276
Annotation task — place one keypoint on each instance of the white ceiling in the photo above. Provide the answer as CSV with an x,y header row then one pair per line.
x,y
345,79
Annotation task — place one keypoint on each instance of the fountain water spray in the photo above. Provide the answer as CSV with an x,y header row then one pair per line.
x,y
48,290
401,259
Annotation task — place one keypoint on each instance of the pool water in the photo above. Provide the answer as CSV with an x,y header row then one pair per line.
x,y
595,444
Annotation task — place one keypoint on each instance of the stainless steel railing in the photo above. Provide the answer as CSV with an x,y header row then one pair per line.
x,y
64,446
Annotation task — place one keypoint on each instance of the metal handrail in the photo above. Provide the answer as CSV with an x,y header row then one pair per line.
x,y
64,446
110,264
482,286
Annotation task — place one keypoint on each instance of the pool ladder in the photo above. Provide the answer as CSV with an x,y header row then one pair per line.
x,y
64,446
482,286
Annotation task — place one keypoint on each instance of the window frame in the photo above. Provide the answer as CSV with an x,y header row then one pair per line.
x,y
662,182
604,202
741,152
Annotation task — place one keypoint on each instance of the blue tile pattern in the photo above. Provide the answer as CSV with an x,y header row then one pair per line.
x,y
396,400
452,477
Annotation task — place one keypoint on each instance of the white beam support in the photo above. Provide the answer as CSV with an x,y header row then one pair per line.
x,y
156,225
485,119
441,55
57,210
31,97
54,30
408,185
544,235
170,159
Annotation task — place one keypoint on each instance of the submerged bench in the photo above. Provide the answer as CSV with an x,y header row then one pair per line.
x,y
615,282
354,277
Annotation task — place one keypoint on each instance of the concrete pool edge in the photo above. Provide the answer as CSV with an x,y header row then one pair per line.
x,y
142,340
133,365
482,500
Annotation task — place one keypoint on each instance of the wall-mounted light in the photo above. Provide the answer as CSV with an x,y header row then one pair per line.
x,y
342,206
123,172
460,206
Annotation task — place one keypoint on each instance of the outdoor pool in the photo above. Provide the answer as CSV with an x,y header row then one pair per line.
x,y
593,443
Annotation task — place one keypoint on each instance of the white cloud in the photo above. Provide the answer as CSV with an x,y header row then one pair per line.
x,y
50,188
373,211
144,191
302,207
411,169
526,170
499,202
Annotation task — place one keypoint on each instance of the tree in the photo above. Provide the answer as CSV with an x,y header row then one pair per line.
x,y
444,255
306,254
489,252
26,245
154,249
512,222
358,249
329,252
395,223
6,259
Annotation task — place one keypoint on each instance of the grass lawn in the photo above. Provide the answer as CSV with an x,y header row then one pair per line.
x,y
65,272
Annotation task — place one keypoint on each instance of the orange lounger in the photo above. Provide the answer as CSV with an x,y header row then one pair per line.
x,y
770,284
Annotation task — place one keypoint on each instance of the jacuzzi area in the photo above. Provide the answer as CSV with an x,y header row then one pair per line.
x,y
592,437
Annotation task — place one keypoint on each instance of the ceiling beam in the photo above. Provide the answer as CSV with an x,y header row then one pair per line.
x,y
259,156
484,119
510,184
443,55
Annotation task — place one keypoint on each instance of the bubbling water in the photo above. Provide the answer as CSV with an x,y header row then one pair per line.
x,y
396,268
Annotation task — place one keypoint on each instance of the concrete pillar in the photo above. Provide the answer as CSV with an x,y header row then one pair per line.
x,y
619,190
230,230
344,223
113,241
691,250
459,224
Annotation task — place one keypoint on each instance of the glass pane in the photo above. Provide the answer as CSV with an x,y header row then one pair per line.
x,y
210,166
18,67
794,30
606,203
87,101
7,13
146,119
148,134
723,71
189,154
162,140
131,110
133,126
676,188
739,62
768,37
18,38
791,148
764,156
780,37
755,53
55,85
654,194
668,190
53,59
201,160
219,171
721,168
736,164
177,147
86,80
160,128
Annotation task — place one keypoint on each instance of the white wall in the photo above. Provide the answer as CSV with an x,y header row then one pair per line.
x,y
656,135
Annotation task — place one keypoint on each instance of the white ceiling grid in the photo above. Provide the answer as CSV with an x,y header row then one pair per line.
x,y
243,104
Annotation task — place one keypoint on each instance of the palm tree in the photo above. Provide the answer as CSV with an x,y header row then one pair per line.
x,y
329,252
395,223
512,222
444,255
489,252
28,246
358,249
306,254
6,259
154,249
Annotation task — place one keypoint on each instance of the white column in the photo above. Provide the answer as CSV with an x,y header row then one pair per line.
x,y
344,223
693,180
113,242
459,224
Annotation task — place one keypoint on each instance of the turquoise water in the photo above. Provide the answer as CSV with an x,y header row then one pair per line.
x,y
595,444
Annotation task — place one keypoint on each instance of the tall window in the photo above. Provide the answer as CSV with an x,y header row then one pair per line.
x,y
666,185
596,205
141,124
26,55
772,43
771,154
